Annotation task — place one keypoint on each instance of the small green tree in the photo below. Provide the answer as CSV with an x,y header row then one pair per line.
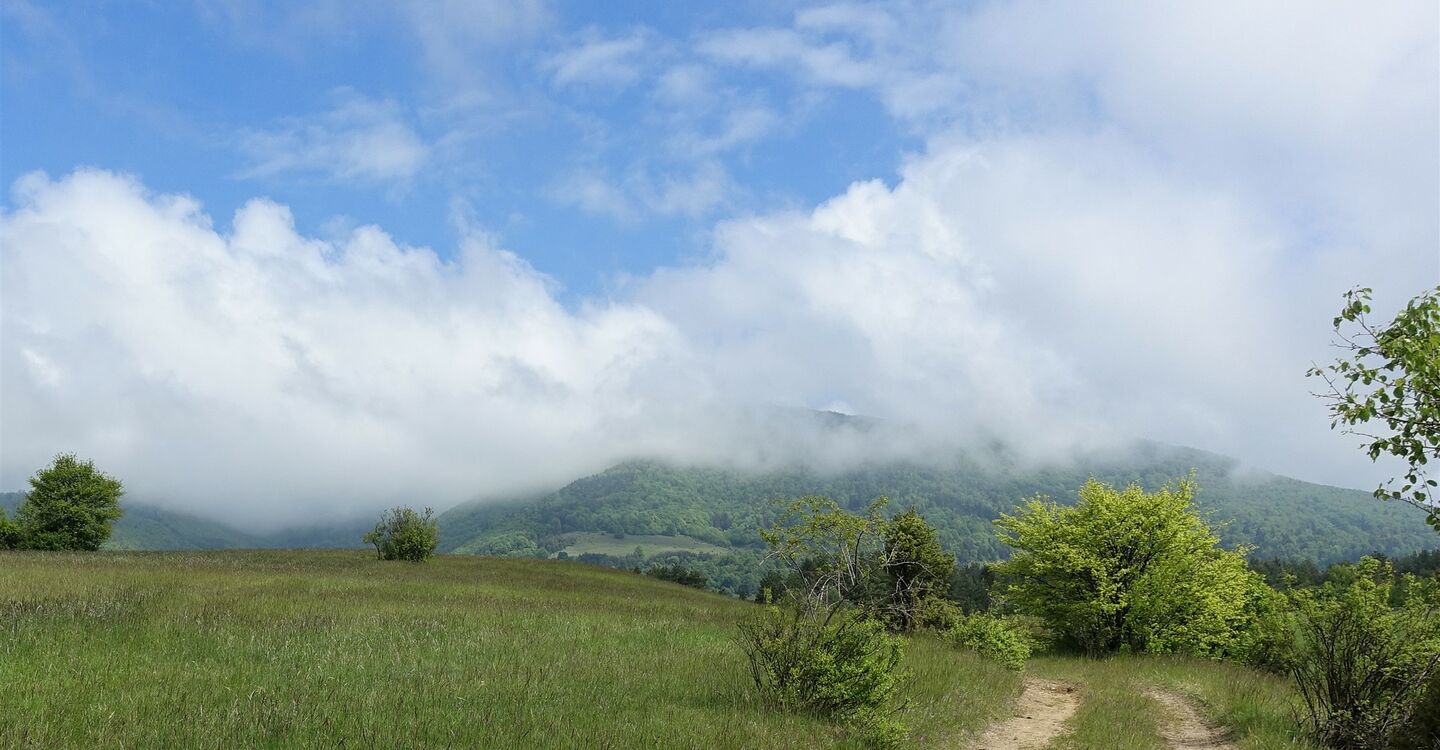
x,y
403,534
70,506
9,532
1129,570
822,647
916,567
1388,391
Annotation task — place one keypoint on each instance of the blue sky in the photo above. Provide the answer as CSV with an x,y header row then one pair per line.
x,y
219,100
370,249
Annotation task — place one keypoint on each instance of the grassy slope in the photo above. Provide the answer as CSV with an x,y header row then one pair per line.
x,y
651,544
314,648
1115,714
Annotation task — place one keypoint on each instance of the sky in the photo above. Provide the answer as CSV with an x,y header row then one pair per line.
x,y
279,260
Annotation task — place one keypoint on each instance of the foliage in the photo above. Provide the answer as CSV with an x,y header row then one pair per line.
x,y
992,637
70,506
1362,665
1129,570
1390,383
1422,730
970,586
938,614
887,567
403,534
843,666
727,508
9,532
917,568
677,573
832,554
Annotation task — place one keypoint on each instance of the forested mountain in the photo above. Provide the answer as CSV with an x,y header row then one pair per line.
x,y
1281,517
709,517
149,527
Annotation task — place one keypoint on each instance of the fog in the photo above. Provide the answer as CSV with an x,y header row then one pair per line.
x,y
1166,268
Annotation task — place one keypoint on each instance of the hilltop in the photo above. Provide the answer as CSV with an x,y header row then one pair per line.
x,y
715,513
710,516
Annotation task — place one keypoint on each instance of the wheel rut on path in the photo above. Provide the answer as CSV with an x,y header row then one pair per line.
x,y
1184,727
1040,716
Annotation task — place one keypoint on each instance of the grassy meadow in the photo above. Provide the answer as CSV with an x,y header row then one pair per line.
x,y
296,649
1115,713
650,544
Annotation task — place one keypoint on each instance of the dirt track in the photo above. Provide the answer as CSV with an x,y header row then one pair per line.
x,y
1040,717
1184,727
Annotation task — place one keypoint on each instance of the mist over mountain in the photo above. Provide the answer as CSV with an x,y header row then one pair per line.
x,y
715,510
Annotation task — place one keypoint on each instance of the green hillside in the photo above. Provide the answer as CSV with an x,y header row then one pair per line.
x,y
1282,517
324,649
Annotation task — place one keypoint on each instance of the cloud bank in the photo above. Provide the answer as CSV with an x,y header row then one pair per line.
x,y
1119,226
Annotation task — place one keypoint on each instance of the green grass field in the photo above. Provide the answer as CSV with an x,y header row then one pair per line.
x,y
311,649
650,544
329,649
1257,708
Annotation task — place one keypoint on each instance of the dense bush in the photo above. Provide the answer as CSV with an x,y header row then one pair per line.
x,y
403,534
9,532
1268,641
70,506
1129,570
1422,731
1361,665
992,637
677,573
915,568
843,667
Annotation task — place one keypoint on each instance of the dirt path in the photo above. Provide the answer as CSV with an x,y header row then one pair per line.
x,y
1040,717
1186,728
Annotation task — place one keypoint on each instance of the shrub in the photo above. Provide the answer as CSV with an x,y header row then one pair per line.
x,y
938,614
1361,665
9,532
1269,641
403,534
844,667
1422,731
678,573
1128,569
915,566
992,637
70,506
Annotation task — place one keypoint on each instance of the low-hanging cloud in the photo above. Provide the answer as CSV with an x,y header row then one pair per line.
x,y
1164,271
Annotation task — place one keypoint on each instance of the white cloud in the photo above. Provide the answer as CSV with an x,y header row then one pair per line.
x,y
597,60
249,371
467,44
360,140
1122,223
699,192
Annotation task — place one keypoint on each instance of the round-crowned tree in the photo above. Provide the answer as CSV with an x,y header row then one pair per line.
x,y
403,534
1129,569
71,506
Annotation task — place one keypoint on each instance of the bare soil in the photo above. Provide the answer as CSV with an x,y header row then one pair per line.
x,y
1040,716
1184,727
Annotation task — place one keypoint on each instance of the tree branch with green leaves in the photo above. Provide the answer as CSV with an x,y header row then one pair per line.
x,y
1386,389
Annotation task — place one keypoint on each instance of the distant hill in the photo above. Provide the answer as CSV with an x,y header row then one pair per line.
x,y
711,514
1281,517
150,527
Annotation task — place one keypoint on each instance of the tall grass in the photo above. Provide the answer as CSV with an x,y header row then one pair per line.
x,y
297,649
1257,708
